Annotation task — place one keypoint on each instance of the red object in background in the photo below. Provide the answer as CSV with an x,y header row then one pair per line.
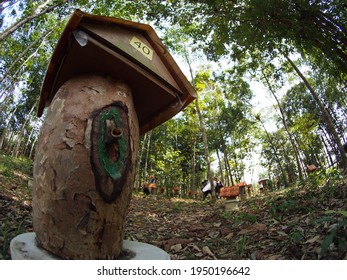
x,y
230,192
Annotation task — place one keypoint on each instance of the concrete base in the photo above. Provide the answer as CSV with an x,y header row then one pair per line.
x,y
24,247
231,204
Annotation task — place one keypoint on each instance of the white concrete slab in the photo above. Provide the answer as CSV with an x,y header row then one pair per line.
x,y
24,247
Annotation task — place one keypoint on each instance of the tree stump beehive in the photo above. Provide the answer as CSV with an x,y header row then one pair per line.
x,y
84,169
85,160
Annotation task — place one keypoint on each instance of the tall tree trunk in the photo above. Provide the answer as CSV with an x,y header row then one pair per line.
x,y
25,20
21,133
229,176
202,129
302,148
145,175
283,118
6,129
23,53
220,167
326,117
327,152
33,146
138,179
237,171
27,145
193,180
273,147
204,139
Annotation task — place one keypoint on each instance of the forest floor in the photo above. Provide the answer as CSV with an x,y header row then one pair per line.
x,y
303,222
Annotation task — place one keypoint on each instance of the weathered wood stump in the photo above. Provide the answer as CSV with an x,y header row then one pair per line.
x,y
84,168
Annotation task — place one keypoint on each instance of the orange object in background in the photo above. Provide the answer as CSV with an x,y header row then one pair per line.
x,y
230,192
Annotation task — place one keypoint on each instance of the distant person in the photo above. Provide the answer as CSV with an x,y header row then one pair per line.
x,y
145,189
206,189
153,185
218,185
261,187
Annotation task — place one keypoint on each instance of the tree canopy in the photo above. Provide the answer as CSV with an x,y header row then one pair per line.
x,y
297,50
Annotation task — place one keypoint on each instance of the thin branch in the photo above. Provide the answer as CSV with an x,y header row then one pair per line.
x,y
21,22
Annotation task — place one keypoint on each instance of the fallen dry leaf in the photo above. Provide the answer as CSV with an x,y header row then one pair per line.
x,y
260,227
207,251
213,234
176,248
313,239
195,247
229,236
274,257
245,231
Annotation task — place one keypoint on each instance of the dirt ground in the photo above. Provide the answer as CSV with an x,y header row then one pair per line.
x,y
298,223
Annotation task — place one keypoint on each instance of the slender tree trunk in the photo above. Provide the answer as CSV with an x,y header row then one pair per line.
x,y
193,180
138,178
10,142
275,152
237,171
326,149
25,20
6,129
227,171
32,150
326,117
229,175
21,133
25,151
202,129
204,139
22,54
145,175
294,147
227,166
302,149
220,166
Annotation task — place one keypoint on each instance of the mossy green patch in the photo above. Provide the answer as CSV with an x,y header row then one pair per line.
x,y
112,168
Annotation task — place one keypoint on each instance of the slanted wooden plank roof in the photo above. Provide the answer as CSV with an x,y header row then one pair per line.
x,y
126,50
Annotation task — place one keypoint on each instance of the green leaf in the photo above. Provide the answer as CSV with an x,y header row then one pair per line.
x,y
327,241
341,212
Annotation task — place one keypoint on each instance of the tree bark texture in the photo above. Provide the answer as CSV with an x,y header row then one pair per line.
x,y
326,117
206,149
84,169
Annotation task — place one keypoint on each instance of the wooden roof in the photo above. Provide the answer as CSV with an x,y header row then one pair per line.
x,y
126,50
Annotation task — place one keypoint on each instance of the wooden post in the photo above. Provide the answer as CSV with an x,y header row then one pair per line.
x,y
84,168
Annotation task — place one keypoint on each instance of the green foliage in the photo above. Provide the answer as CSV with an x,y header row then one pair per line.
x,y
337,233
296,236
241,245
6,172
327,179
238,217
283,207
9,164
264,26
177,206
7,233
252,37
227,215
